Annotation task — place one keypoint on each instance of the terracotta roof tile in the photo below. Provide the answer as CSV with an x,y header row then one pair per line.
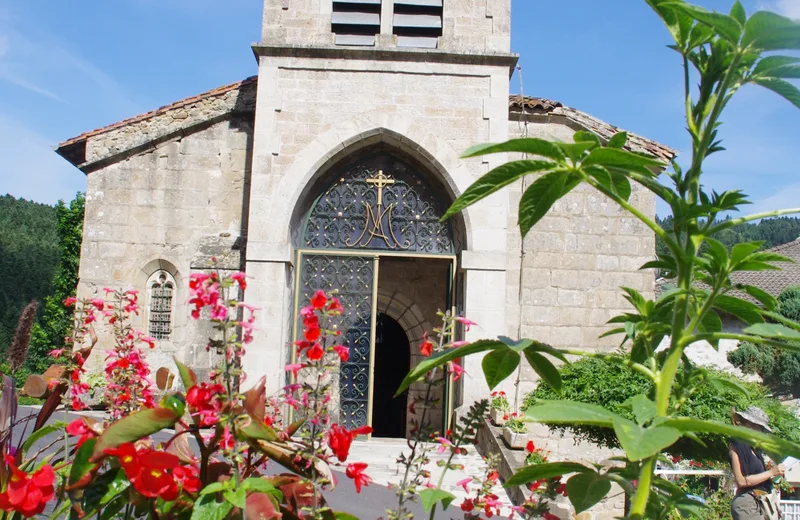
x,y
172,106
636,143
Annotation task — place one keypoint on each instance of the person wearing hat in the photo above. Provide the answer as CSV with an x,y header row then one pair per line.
x,y
753,479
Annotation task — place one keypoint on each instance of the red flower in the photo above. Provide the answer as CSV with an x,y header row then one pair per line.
x,y
79,427
355,471
427,348
493,476
549,516
99,303
128,459
562,489
241,279
27,494
340,439
676,459
312,333
153,479
315,353
344,352
530,448
205,399
69,302
467,505
188,478
319,300
334,307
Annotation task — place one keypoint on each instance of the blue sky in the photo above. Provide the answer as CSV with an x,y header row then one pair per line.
x,y
69,67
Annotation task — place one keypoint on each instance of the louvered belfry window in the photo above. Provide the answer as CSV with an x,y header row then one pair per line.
x,y
417,23
160,319
356,22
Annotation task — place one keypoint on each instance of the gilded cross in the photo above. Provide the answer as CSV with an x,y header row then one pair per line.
x,y
380,181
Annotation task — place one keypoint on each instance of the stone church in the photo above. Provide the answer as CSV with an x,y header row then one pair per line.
x,y
329,169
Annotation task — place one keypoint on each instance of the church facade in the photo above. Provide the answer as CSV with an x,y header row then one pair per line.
x,y
330,169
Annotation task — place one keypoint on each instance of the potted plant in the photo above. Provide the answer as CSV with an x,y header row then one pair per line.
x,y
499,408
534,455
515,433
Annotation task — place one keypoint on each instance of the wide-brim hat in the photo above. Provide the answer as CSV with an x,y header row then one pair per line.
x,y
757,416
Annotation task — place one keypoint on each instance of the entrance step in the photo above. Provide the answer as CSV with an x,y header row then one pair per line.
x,y
381,456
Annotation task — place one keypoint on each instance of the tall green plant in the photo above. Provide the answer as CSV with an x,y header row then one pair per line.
x,y
722,53
56,322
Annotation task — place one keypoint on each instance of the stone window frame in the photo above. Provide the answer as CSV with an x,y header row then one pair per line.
x,y
161,276
144,278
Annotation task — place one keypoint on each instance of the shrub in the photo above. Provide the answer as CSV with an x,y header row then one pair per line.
x,y
779,369
610,385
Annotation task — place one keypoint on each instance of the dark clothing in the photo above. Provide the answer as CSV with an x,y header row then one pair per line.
x,y
752,463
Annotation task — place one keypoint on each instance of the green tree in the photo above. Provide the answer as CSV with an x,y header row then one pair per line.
x,y
28,259
56,320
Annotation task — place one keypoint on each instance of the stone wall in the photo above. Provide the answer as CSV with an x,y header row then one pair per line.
x,y
314,112
468,25
173,207
575,261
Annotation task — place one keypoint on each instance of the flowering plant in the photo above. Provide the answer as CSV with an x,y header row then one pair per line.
x,y
534,455
499,401
515,423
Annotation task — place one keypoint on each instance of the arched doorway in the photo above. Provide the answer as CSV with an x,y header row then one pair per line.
x,y
376,220
392,362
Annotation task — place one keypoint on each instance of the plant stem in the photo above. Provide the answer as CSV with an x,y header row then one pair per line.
x,y
639,503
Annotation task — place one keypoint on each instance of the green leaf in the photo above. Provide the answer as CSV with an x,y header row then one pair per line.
x,y
640,443
743,250
104,489
769,443
261,506
571,412
495,180
252,428
618,140
529,145
586,489
773,331
724,25
723,383
134,427
529,474
767,300
39,434
516,345
745,311
738,13
444,357
711,321
260,484
498,365
768,31
207,508
544,368
766,65
643,408
576,151
782,88
188,377
214,487
80,472
582,136
238,498
617,158
430,497
542,194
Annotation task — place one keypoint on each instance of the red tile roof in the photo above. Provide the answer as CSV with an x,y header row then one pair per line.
x,y
172,106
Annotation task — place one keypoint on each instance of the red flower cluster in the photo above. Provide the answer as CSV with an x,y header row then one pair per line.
x,y
79,427
205,292
205,400
149,472
26,493
311,345
340,439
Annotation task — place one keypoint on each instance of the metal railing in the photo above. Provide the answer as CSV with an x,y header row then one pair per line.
x,y
790,509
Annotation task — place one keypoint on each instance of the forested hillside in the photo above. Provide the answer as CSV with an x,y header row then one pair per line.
x,y
29,255
773,232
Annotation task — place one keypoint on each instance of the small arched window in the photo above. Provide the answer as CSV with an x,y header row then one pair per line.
x,y
161,288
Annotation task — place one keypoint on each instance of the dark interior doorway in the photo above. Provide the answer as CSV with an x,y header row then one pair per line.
x,y
392,363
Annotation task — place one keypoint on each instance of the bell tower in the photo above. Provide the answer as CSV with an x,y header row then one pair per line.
x,y
472,26
420,80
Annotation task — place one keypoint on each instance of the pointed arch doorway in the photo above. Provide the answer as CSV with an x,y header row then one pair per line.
x,y
374,227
